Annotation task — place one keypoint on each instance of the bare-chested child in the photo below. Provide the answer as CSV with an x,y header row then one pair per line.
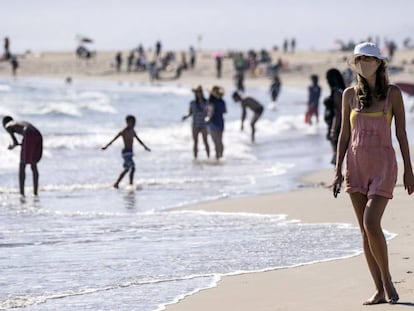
x,y
128,134
254,105
31,149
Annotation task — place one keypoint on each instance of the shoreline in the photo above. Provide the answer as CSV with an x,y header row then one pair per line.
x,y
316,283
217,278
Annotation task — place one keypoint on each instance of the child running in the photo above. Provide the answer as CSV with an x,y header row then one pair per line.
x,y
128,134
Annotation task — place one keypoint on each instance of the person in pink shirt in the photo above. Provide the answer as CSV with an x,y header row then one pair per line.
x,y
371,167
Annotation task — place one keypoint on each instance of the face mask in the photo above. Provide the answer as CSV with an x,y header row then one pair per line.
x,y
366,68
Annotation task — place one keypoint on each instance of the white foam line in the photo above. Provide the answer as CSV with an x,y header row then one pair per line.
x,y
53,188
25,301
208,213
214,282
218,277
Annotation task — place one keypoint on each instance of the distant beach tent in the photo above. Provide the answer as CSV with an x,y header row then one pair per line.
x,y
83,39
81,50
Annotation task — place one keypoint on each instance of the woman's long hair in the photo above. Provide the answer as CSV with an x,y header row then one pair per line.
x,y
335,79
365,94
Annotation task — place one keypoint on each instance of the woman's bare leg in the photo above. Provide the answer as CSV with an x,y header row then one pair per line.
x,y
369,214
377,243
215,135
195,139
205,140
220,143
359,202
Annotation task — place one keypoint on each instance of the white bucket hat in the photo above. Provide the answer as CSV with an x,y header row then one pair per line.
x,y
367,49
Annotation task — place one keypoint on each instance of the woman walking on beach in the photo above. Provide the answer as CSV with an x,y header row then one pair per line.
x,y
371,173
198,109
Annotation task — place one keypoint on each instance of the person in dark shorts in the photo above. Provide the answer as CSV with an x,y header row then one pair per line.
x,y
128,134
216,108
254,105
198,109
31,149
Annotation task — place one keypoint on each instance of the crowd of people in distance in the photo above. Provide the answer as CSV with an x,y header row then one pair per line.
x,y
160,65
168,65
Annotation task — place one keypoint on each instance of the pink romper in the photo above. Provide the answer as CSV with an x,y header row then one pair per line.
x,y
371,163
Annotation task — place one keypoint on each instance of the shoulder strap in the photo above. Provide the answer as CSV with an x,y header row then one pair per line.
x,y
386,101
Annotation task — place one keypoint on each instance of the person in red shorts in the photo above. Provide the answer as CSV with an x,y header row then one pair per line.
x,y
31,149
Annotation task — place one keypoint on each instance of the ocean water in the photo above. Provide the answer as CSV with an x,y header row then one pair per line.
x,y
82,245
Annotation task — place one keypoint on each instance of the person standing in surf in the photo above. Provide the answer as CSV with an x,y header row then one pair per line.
x,y
275,89
371,166
216,108
314,93
198,109
31,149
128,134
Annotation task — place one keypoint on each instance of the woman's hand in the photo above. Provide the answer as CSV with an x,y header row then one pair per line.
x,y
409,182
11,146
337,183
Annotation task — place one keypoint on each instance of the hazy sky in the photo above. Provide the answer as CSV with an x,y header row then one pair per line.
x,y
122,24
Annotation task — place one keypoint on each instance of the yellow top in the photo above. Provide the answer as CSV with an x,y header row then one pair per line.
x,y
376,114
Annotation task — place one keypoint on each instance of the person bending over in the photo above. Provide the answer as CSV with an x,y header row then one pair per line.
x,y
254,105
31,149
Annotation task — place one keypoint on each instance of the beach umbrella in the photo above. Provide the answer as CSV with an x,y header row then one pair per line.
x,y
83,39
87,40
218,54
